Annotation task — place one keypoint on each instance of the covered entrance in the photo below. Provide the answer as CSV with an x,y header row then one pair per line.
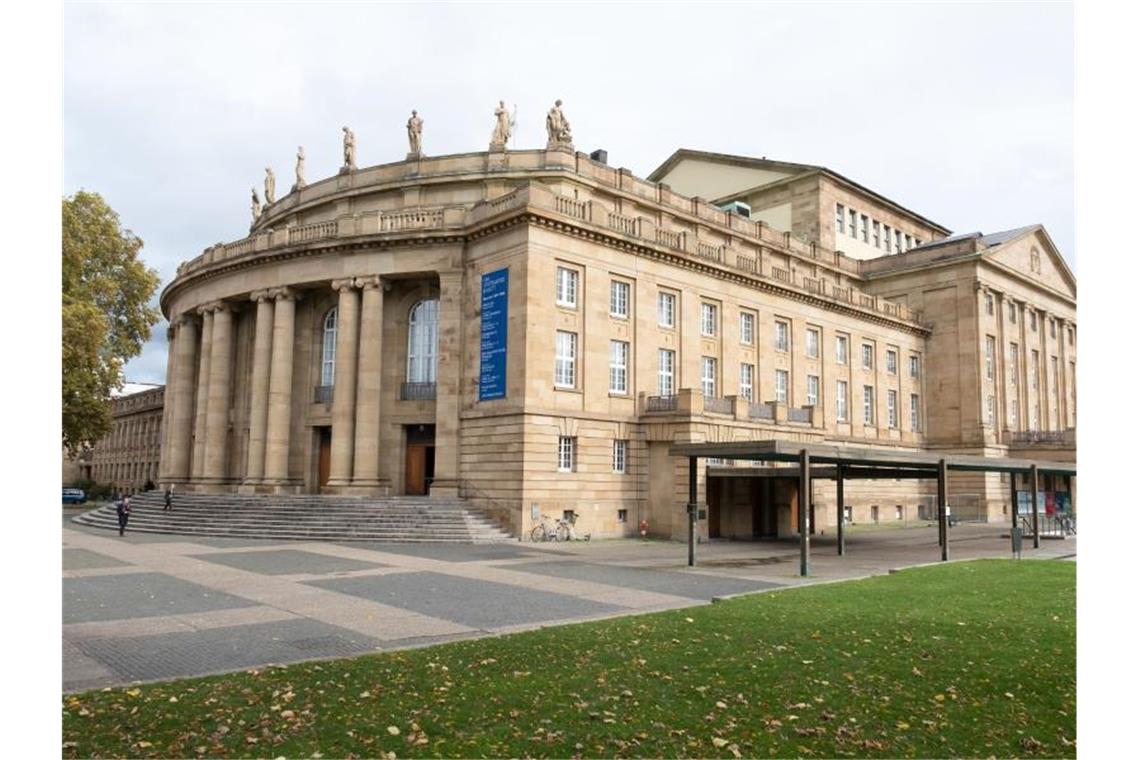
x,y
419,459
745,507
324,455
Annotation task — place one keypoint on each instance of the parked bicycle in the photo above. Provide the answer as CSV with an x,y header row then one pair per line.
x,y
550,530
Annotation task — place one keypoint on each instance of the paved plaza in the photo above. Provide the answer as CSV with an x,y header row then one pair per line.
x,y
147,607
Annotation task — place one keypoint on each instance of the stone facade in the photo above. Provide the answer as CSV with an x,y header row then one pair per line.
x,y
128,456
337,348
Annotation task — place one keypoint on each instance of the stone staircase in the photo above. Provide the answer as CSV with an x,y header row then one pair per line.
x,y
401,519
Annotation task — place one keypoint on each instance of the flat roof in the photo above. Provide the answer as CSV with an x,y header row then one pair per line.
x,y
788,451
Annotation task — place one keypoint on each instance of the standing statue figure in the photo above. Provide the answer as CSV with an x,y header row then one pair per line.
x,y
415,136
349,150
270,186
255,205
300,168
557,128
502,131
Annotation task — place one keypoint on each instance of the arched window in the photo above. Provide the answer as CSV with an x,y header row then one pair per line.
x,y
422,334
328,348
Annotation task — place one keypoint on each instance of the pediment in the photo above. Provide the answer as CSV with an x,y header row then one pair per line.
x,y
1033,256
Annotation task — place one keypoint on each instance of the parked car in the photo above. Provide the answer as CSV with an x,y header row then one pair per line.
x,y
74,496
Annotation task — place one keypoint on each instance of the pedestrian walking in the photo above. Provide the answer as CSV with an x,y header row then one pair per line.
x,y
123,508
168,501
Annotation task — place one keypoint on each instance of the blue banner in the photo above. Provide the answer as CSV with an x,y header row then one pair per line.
x,y
493,336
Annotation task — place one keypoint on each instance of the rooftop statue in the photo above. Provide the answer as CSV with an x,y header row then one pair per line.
x,y
415,135
255,205
300,168
270,186
502,131
349,149
557,128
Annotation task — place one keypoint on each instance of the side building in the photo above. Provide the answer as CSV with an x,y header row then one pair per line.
x,y
127,458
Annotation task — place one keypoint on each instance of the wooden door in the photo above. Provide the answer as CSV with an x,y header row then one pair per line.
x,y
415,469
324,456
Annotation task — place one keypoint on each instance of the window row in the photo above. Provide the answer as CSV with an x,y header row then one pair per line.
x,y
568,455
860,226
423,341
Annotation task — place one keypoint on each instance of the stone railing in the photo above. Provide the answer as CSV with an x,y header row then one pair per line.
x,y
661,404
746,263
570,207
411,220
718,405
1030,437
710,252
762,411
308,232
782,275
799,414
623,224
417,391
689,403
669,239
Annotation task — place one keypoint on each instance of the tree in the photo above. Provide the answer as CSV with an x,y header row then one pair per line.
x,y
107,314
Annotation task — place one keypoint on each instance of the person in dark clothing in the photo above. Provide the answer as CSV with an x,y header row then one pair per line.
x,y
168,500
123,508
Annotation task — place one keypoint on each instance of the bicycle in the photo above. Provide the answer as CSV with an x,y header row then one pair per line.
x,y
549,530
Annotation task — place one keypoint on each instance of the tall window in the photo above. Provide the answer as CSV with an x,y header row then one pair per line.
x,y
1069,332
708,376
990,411
565,358
875,234
619,299
1013,313
840,349
621,453
328,348
1013,353
1034,363
892,362
565,453
868,405
746,381
566,290
782,386
838,219
851,219
812,390
892,409
812,343
666,310
747,326
887,238
908,243
666,361
914,421
989,357
898,241
914,366
841,400
868,356
1052,328
708,320
619,366
423,326
1033,320
781,336
865,227
989,304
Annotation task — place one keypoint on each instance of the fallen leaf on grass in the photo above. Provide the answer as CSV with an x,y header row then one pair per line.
x,y
719,743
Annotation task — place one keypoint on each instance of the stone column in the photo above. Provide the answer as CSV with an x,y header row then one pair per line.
x,y
366,451
259,387
279,418
167,404
1001,372
344,382
218,400
1062,375
449,354
202,392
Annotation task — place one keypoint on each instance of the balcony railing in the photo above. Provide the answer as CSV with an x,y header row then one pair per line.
x,y
762,411
1040,436
661,404
799,414
417,391
323,394
718,405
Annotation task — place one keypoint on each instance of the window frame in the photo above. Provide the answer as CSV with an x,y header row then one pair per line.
x,y
747,328
566,458
892,408
671,374
867,357
746,388
783,329
868,405
328,346
915,413
811,348
665,297
423,368
812,396
709,319
564,361
990,350
782,386
620,292
708,376
563,285
841,401
620,457
892,361
842,357
619,350
915,366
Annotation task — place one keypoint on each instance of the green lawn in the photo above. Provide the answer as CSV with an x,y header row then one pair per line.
x,y
968,659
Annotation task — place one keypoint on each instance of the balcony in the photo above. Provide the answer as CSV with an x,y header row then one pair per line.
x,y
688,403
323,394
417,391
762,411
1053,438
661,404
719,405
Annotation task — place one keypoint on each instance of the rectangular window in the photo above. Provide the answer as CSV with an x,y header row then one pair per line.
x,y
812,343
914,367
892,409
1052,328
1013,364
868,405
666,310
782,386
898,512
865,227
989,304
619,366
708,320
1070,335
621,449
990,411
914,420
567,288
565,359
868,356
875,234
812,390
841,400
989,357
1034,363
898,241
565,454
852,216
1013,313
840,349
886,238
892,362
619,299
781,336
1033,321
666,361
747,326
917,242
708,376
839,211
746,381
623,515
908,243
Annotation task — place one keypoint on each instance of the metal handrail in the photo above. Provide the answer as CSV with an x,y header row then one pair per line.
x,y
417,391
323,394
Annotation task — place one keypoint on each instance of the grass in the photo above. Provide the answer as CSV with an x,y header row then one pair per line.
x,y
968,659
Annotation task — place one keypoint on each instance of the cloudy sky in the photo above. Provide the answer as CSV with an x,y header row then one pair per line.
x,y
962,113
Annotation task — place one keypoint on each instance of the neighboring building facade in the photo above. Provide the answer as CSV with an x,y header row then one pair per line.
x,y
128,456
531,330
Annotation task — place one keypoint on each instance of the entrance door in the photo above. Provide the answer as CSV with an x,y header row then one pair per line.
x,y
415,470
324,455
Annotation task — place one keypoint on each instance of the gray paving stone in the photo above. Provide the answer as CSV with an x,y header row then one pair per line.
x,y
85,559
447,552
174,655
137,595
688,585
475,603
287,562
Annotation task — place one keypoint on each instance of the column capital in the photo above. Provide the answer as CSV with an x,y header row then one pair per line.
x,y
258,296
348,283
450,277
283,294
185,319
373,281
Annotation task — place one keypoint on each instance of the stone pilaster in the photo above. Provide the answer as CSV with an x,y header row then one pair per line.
x,y
344,382
278,420
1062,374
167,406
259,387
180,398
218,399
448,379
366,451
202,392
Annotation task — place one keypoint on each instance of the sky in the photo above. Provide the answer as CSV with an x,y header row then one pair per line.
x,y
962,113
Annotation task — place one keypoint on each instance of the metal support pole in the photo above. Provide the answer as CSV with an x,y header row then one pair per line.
x,y
692,511
1013,510
839,508
942,509
804,502
1033,501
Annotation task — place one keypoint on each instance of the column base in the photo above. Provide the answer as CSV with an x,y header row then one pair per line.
x,y
283,487
444,489
215,485
248,487
371,487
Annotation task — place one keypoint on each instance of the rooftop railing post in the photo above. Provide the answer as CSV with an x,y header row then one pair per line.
x,y
804,502
942,526
839,511
1033,501
692,511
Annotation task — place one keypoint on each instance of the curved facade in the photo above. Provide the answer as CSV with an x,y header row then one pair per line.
x,y
342,347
